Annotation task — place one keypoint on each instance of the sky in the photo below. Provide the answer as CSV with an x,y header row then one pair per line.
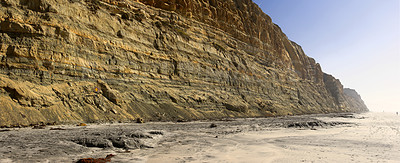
x,y
357,41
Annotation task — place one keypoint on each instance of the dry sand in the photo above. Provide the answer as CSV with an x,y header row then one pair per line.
x,y
368,137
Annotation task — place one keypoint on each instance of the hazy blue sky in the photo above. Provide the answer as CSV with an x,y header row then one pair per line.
x,y
357,41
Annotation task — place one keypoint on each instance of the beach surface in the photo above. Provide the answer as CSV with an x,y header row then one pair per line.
x,y
367,137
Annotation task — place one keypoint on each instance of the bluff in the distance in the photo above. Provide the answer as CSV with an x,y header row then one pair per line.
x,y
68,61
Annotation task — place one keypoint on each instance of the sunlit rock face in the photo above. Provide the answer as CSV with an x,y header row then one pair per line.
x,y
68,61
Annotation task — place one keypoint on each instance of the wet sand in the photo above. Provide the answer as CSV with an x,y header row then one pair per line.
x,y
368,137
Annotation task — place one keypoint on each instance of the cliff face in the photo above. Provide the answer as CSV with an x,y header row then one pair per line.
x,y
246,22
354,100
116,60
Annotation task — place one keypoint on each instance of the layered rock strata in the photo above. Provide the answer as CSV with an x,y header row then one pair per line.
x,y
68,61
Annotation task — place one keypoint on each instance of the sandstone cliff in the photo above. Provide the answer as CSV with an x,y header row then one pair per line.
x,y
68,61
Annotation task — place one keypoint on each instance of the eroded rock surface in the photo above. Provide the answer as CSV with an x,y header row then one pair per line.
x,y
69,61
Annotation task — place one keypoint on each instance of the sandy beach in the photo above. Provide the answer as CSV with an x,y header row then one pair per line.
x,y
367,137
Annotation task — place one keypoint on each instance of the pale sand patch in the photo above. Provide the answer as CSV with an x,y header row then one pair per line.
x,y
374,138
